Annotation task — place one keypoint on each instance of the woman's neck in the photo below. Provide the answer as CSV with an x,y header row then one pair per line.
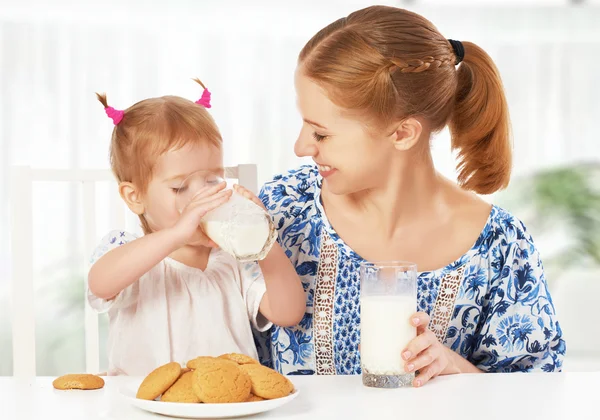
x,y
410,191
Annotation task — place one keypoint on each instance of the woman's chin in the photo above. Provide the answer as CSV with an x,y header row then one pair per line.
x,y
336,187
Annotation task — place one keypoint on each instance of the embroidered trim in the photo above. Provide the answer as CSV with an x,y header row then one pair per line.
x,y
323,309
444,304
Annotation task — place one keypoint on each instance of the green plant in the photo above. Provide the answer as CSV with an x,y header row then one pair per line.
x,y
563,200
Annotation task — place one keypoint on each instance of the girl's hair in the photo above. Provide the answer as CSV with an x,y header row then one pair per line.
x,y
390,64
152,127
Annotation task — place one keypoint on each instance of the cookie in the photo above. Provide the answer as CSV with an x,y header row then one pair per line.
x,y
254,398
158,381
267,383
194,362
220,381
240,359
78,381
181,391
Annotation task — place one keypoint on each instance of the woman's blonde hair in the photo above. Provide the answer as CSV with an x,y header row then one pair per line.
x,y
390,64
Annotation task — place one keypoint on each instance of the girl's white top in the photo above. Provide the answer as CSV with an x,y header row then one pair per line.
x,y
176,313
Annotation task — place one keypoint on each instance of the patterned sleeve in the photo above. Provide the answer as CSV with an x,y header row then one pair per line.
x,y
289,200
519,332
253,290
127,296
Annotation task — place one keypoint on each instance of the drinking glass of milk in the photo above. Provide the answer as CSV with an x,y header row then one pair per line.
x,y
388,298
239,226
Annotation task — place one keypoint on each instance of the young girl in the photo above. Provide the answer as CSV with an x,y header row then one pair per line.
x,y
172,295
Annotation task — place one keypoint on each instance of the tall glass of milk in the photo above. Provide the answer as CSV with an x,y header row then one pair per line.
x,y
388,299
239,226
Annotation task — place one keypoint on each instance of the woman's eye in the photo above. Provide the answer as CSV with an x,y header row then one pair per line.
x,y
318,137
178,190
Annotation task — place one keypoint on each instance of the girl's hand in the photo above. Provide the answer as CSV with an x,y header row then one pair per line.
x,y
187,227
249,195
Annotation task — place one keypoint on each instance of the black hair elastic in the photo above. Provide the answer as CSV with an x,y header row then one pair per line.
x,y
459,50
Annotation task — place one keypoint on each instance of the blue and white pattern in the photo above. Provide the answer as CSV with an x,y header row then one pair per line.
x,y
491,306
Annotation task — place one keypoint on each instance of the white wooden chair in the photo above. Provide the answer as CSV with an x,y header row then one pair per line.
x,y
22,307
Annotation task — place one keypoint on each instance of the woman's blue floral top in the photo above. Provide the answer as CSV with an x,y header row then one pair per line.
x,y
491,306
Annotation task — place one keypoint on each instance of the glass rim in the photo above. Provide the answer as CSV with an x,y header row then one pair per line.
x,y
389,264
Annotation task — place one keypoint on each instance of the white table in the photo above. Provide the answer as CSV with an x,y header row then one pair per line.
x,y
569,396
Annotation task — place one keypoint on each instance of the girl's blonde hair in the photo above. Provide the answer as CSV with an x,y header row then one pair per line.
x,y
152,127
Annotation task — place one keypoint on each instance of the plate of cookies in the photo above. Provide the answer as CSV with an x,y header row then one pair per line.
x,y
231,385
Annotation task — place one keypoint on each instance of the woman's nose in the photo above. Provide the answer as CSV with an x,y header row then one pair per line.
x,y
305,146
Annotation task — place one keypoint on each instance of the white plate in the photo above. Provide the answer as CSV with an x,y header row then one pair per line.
x,y
202,411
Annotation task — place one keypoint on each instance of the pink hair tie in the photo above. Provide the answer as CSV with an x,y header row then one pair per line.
x,y
205,99
115,114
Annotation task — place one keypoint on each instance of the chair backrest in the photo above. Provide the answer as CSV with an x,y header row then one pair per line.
x,y
22,302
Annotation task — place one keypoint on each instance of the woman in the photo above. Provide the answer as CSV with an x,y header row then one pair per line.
x,y
372,88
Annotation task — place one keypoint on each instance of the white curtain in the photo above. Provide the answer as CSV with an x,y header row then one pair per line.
x,y
52,60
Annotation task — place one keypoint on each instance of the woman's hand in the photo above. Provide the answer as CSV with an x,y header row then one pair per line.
x,y
426,354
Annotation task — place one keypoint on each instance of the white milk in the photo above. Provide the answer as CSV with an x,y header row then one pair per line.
x,y
245,240
385,331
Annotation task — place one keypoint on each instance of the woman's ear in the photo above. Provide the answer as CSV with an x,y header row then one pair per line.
x,y
132,197
407,134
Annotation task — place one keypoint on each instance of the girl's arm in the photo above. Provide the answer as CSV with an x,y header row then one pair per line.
x,y
284,302
124,265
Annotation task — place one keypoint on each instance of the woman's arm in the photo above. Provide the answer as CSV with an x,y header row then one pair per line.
x,y
519,331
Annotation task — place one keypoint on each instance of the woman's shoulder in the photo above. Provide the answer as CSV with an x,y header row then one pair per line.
x,y
503,233
296,186
291,200
510,226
